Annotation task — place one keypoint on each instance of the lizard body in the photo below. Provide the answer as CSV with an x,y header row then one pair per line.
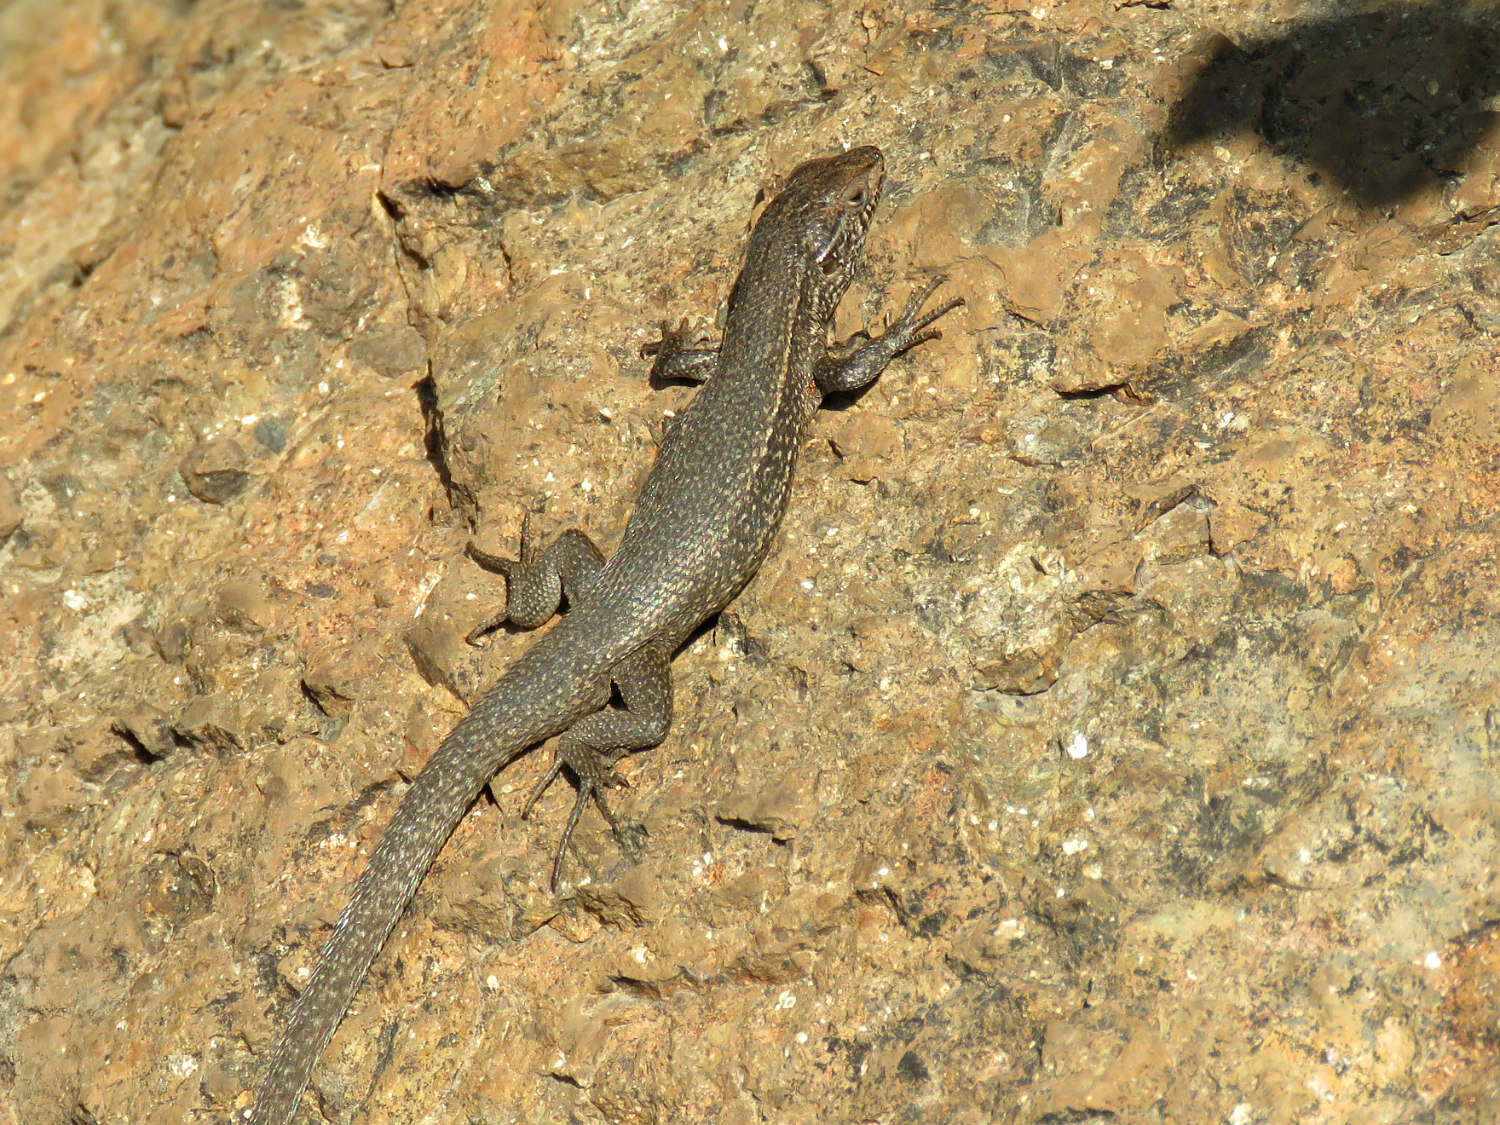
x,y
704,521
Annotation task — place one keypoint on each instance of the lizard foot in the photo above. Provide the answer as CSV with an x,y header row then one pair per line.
x,y
594,775
681,354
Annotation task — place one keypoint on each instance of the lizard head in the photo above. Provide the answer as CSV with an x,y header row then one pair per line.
x,y
826,205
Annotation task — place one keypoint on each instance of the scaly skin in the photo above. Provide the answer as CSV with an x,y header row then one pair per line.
x,y
702,524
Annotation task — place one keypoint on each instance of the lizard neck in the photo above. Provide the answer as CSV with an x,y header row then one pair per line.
x,y
775,330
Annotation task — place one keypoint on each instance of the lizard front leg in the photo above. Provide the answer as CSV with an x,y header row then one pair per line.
x,y
857,361
680,355
591,747
537,583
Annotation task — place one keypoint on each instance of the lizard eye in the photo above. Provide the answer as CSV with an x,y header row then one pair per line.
x,y
857,196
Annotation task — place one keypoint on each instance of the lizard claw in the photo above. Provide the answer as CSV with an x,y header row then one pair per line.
x,y
911,328
588,790
681,354
672,340
593,773
857,361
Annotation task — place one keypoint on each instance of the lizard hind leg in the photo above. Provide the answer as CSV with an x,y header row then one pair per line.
x,y
539,580
590,748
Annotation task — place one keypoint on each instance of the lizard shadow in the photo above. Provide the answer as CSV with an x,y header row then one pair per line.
x,y
1385,102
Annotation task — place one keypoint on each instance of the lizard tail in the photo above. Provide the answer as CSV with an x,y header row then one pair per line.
x,y
483,742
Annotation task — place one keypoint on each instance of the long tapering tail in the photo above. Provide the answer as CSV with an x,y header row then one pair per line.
x,y
502,726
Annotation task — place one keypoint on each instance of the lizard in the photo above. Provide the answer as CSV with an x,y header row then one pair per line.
x,y
703,522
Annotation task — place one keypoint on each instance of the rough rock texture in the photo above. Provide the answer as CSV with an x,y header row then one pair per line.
x,y
1114,734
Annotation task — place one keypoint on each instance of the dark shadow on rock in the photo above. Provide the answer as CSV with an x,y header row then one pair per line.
x,y
1384,101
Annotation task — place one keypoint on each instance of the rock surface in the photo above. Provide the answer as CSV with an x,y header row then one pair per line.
x,y
1114,734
